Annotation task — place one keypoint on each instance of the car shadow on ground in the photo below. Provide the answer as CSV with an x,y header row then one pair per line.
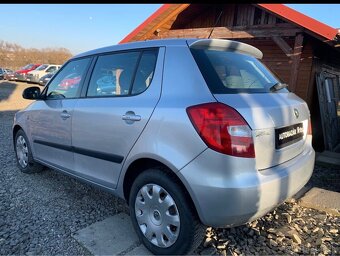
x,y
326,178
6,89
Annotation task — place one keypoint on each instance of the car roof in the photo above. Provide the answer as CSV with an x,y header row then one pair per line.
x,y
135,45
192,42
49,64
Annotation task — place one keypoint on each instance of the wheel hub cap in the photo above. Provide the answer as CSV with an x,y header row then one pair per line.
x,y
157,215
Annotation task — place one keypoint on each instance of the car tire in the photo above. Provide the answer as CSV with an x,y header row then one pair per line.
x,y
23,154
161,210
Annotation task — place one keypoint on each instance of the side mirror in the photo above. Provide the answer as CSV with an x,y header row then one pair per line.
x,y
31,93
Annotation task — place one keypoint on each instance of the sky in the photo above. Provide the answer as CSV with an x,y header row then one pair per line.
x,y
83,27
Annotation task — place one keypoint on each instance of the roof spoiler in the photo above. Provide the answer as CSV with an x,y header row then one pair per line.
x,y
225,45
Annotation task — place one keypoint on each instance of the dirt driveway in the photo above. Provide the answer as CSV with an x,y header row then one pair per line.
x,y
10,96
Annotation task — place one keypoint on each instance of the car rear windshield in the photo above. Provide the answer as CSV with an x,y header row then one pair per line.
x,y
28,66
42,67
228,72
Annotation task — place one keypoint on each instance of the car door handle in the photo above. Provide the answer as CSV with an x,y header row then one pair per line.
x,y
131,117
64,115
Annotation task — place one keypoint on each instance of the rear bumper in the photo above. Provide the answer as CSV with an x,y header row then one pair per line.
x,y
20,77
33,79
11,78
42,83
228,191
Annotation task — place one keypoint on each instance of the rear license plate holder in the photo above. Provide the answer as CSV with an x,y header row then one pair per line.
x,y
288,135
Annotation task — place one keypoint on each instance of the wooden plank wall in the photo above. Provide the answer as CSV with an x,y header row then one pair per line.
x,y
305,79
233,15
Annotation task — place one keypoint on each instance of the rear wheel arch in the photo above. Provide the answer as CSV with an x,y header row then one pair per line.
x,y
143,164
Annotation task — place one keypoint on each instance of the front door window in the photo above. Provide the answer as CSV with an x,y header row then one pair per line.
x,y
67,83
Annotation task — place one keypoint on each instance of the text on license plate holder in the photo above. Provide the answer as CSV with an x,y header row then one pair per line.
x,y
288,135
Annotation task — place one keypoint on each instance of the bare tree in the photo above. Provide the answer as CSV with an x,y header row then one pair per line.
x,y
14,56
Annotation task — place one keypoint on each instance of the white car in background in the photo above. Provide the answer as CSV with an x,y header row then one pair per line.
x,y
34,75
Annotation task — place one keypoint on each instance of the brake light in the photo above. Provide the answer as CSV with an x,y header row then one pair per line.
x,y
309,129
223,129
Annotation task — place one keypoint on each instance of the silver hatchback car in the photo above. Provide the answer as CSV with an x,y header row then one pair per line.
x,y
190,132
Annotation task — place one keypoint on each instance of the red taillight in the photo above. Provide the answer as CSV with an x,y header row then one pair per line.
x,y
309,129
223,129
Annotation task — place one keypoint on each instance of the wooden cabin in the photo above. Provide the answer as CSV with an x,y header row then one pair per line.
x,y
301,51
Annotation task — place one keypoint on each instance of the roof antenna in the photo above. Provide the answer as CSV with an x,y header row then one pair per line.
x,y
217,20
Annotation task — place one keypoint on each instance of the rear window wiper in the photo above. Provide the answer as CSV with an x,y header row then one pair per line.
x,y
278,86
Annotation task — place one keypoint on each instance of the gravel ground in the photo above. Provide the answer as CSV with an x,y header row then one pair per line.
x,y
288,230
39,212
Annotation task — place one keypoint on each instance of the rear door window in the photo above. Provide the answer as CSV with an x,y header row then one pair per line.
x,y
113,74
122,74
232,72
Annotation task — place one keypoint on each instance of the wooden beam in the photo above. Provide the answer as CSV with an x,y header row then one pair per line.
x,y
283,45
233,32
252,13
263,14
312,79
174,13
297,51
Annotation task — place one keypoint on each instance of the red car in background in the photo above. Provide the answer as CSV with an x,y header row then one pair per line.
x,y
20,75
69,82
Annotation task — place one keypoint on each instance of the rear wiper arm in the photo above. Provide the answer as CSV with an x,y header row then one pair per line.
x,y
278,86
